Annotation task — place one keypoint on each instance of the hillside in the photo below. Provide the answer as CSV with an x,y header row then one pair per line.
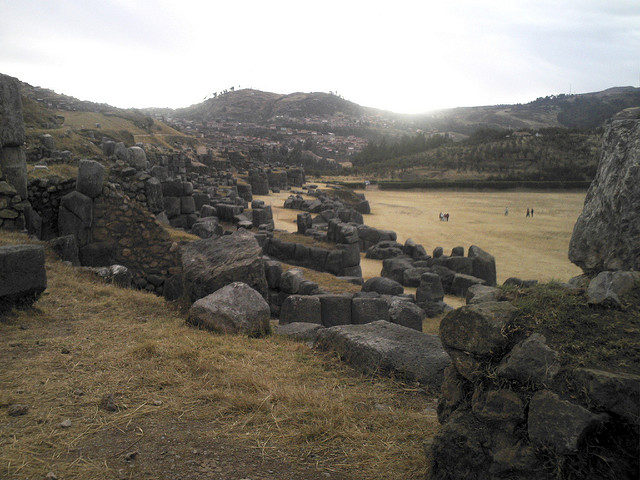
x,y
587,110
78,125
255,106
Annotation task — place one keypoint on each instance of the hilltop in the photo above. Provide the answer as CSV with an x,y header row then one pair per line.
x,y
586,110
256,106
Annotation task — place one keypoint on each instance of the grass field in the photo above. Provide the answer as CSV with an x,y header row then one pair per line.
x,y
530,248
189,404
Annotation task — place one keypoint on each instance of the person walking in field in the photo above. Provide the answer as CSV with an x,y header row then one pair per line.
x,y
528,213
441,216
506,211
532,212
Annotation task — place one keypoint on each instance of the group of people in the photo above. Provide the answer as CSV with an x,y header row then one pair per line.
x,y
529,212
444,217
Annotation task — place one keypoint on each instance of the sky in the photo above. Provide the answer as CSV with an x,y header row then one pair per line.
x,y
403,56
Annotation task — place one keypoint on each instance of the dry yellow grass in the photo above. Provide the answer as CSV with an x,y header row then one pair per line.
x,y
192,404
524,247
62,170
304,240
178,235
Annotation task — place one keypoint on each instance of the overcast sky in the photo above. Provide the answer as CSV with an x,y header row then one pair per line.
x,y
405,56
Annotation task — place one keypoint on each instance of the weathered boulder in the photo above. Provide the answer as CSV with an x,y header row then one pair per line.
x,y
478,329
153,191
394,268
301,308
66,248
290,280
457,252
367,310
479,293
235,308
13,166
91,175
607,287
210,264
462,282
207,227
301,331
11,122
530,362
501,405
483,266
430,289
559,424
22,275
387,347
137,158
75,216
606,235
382,285
406,313
411,276
335,309
616,393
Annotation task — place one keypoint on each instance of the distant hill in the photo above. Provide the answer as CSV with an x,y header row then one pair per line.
x,y
586,110
256,106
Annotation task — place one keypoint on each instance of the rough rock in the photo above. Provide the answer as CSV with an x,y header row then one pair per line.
x,y
367,310
559,424
382,285
91,175
484,265
290,280
606,235
137,158
478,329
22,275
430,289
530,362
13,167
235,308
66,248
207,227
607,287
335,309
210,264
462,282
301,308
384,346
75,216
11,122
406,313
482,293
303,332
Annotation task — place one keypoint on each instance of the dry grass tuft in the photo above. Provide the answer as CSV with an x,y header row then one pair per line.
x,y
178,388
326,281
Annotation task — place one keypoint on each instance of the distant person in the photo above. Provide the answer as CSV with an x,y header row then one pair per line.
x,y
528,213
441,216
532,212
506,211
446,217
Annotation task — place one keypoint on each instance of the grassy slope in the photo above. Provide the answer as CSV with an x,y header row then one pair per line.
x,y
237,397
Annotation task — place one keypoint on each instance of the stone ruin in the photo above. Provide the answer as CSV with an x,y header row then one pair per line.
x,y
508,408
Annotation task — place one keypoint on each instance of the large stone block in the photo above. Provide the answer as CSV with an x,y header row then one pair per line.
x,y
301,308
484,265
91,175
76,216
367,310
385,347
335,309
22,275
11,122
210,264
235,308
606,235
478,329
13,167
